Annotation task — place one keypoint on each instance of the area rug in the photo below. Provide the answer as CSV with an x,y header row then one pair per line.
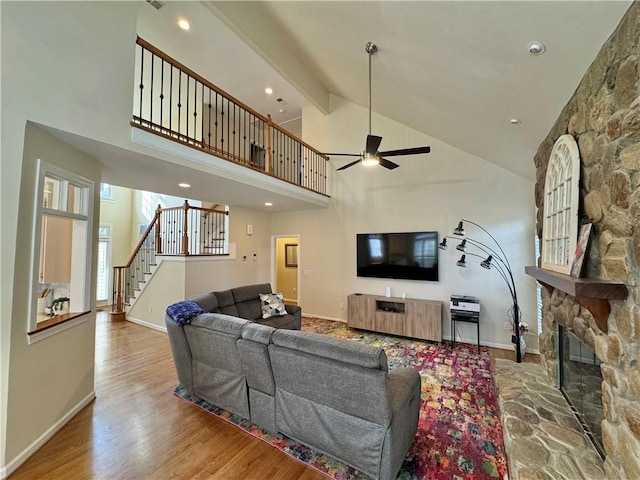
x,y
459,434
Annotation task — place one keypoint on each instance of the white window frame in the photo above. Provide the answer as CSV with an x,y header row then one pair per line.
x,y
561,198
86,216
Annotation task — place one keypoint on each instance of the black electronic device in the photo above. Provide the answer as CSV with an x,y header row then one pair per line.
x,y
405,255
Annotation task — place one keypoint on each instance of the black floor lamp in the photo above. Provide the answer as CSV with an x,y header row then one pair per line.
x,y
492,259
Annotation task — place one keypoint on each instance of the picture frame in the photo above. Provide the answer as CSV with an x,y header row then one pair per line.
x,y
290,254
581,249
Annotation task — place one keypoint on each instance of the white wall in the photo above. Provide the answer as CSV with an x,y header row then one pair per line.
x,y
74,75
427,192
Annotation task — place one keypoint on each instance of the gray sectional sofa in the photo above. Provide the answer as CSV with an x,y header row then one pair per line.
x,y
334,395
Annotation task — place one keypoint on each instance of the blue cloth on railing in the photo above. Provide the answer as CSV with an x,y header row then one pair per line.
x,y
183,312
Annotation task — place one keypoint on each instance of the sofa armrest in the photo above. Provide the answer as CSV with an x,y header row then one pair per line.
x,y
294,310
404,383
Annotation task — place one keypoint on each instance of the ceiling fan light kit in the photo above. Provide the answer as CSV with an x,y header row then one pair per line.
x,y
371,156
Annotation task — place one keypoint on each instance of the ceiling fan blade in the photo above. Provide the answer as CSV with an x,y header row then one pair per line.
x,y
342,154
373,142
388,164
344,167
406,151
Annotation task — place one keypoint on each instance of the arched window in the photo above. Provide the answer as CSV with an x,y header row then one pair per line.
x,y
561,196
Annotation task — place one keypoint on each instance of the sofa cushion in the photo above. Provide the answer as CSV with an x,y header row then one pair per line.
x,y
341,374
248,293
272,305
226,303
334,348
208,302
247,300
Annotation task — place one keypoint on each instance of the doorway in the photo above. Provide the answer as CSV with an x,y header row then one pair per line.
x,y
284,267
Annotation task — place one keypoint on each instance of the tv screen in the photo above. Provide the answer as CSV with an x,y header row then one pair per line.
x,y
408,256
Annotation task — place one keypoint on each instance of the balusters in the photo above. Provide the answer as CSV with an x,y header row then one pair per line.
x,y
199,114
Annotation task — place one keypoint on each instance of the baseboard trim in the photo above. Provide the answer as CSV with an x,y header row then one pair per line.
x,y
45,437
322,317
150,325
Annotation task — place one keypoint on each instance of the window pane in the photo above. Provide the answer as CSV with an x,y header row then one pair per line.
x,y
51,193
102,292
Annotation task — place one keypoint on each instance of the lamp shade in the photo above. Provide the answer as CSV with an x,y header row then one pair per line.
x,y
462,262
462,246
486,263
459,230
443,244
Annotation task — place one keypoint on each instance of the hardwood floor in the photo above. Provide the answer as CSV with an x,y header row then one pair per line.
x,y
137,429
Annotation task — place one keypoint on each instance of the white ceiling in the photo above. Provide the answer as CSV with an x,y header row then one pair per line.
x,y
457,71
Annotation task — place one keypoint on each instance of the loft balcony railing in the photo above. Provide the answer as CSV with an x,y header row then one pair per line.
x,y
178,231
177,103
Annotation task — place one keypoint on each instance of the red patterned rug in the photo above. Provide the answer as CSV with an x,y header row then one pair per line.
x,y
459,433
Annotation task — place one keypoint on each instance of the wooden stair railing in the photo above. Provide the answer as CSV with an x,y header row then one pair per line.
x,y
178,231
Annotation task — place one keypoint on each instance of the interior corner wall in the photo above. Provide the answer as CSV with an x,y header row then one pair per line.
x,y
51,377
427,192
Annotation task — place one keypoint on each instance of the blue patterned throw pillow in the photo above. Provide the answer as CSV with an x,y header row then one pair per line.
x,y
272,305
183,312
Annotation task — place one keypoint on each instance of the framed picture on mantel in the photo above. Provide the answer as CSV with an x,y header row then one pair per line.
x,y
581,249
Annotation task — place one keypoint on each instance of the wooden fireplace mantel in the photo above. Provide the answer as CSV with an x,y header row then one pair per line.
x,y
592,294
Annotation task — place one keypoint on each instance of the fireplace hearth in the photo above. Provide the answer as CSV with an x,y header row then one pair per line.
x,y
580,380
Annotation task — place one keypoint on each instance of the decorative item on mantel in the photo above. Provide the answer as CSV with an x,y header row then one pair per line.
x,y
500,261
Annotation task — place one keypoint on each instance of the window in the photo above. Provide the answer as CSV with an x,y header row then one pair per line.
x,y
561,191
106,191
61,251
104,262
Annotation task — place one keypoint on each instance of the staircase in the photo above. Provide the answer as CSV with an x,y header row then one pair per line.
x,y
175,231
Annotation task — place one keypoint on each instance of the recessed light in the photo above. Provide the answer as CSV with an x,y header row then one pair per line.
x,y
536,48
268,90
268,204
515,121
184,24
282,110
184,185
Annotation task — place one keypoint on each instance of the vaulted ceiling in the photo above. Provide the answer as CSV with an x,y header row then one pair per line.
x,y
457,71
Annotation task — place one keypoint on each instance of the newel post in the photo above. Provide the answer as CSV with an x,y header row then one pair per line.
x,y
185,229
158,232
268,167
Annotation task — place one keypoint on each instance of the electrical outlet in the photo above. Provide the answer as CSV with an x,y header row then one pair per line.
x,y
150,309
341,305
507,325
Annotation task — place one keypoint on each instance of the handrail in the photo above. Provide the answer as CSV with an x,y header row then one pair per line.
x,y
183,230
178,104
191,73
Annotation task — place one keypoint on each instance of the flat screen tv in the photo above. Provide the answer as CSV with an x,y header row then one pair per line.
x,y
407,256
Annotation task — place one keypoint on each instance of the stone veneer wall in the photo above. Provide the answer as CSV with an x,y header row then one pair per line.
x,y
604,117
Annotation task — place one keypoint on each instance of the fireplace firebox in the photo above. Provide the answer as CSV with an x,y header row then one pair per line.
x,y
581,383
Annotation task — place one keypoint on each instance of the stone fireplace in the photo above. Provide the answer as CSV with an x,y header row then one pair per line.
x,y
604,117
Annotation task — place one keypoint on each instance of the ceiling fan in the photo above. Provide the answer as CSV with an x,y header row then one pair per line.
x,y
371,156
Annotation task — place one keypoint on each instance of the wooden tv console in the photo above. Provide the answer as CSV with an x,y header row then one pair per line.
x,y
408,317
